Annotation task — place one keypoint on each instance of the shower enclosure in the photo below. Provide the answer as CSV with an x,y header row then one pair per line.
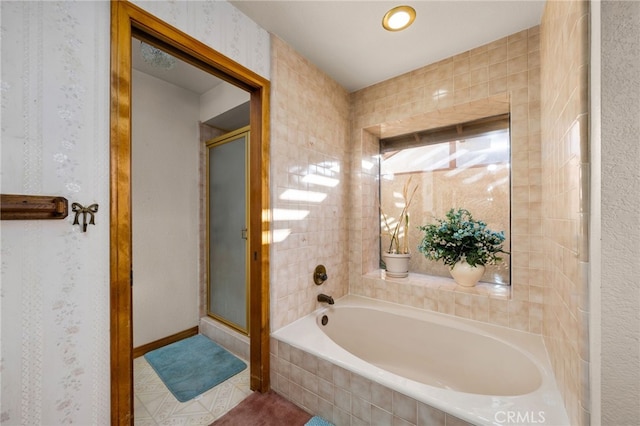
x,y
227,229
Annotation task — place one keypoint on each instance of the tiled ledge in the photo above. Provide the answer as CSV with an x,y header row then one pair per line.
x,y
491,303
444,284
225,336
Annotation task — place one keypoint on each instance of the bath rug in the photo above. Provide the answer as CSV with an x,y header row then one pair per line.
x,y
264,409
193,365
318,421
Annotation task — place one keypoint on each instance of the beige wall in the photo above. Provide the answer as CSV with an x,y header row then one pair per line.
x,y
165,198
309,135
504,74
620,207
565,190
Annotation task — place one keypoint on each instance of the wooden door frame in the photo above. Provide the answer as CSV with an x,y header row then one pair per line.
x,y
128,20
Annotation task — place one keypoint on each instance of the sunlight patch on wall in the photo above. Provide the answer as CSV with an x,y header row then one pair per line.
x,y
299,195
289,214
320,180
279,235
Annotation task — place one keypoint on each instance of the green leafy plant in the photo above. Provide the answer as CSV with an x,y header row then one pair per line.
x,y
394,229
460,237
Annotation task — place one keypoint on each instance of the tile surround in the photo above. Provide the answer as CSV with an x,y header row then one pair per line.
x,y
343,397
565,189
225,336
469,85
549,215
309,136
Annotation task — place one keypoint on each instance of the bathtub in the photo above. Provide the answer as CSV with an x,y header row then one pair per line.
x,y
481,373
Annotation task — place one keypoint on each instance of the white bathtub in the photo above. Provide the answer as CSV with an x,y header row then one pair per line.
x,y
484,374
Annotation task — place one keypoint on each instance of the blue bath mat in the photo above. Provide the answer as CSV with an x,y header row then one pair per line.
x,y
193,366
317,421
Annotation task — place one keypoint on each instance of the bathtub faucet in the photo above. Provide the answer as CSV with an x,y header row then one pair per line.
x,y
320,274
325,298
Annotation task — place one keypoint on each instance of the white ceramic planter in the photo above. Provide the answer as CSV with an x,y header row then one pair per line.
x,y
397,264
465,274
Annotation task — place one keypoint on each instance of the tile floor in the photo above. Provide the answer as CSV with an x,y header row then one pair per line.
x,y
154,405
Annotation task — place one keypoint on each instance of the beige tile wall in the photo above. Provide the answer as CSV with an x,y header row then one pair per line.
x,y
565,158
463,87
343,397
311,118
309,136
363,242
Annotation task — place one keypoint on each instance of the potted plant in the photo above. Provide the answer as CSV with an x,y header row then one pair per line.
x,y
396,257
464,244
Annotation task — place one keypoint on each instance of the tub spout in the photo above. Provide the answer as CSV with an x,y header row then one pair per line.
x,y
325,298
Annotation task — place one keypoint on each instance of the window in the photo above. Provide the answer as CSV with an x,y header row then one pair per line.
x,y
462,166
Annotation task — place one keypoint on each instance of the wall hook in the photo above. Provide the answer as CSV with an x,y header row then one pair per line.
x,y
91,210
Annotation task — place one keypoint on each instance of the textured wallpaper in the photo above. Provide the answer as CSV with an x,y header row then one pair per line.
x,y
219,25
55,141
55,278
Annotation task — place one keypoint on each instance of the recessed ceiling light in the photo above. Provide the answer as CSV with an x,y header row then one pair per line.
x,y
398,18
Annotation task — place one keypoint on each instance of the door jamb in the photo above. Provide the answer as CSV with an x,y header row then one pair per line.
x,y
127,20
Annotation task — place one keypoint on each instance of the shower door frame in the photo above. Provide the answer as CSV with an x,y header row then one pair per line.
x,y
128,20
243,134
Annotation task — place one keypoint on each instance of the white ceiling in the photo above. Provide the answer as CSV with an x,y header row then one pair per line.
x,y
346,39
189,77
181,74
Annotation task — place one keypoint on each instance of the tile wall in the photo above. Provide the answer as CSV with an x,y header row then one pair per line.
x,y
317,128
225,336
565,190
467,85
309,175
343,397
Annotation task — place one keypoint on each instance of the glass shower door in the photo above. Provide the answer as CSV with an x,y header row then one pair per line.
x,y
227,229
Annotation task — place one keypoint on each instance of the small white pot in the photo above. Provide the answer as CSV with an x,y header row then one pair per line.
x,y
465,274
397,264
